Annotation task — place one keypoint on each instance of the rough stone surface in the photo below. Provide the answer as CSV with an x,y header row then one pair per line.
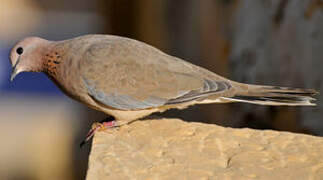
x,y
174,149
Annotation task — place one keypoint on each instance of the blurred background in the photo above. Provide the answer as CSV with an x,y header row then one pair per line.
x,y
276,42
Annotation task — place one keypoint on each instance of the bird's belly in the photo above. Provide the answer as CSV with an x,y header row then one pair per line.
x,y
129,115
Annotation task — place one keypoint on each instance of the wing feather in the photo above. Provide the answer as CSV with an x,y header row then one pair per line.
x,y
129,75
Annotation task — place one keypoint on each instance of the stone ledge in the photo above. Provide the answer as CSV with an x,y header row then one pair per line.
x,y
174,149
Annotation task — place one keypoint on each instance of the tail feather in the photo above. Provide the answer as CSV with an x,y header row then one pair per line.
x,y
276,96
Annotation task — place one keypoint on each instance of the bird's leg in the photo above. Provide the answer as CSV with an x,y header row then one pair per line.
x,y
105,124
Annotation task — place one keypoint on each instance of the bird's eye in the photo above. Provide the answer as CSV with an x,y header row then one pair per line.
x,y
20,50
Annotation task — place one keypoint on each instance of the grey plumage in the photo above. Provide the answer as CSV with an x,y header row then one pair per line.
x,y
130,79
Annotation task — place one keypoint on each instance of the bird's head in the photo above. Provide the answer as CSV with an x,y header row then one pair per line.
x,y
26,55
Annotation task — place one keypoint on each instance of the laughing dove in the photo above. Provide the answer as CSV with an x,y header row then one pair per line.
x,y
129,79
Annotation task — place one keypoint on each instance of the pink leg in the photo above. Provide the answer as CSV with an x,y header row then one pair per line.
x,y
99,127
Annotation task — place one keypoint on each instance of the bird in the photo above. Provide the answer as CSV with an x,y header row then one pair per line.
x,y
128,79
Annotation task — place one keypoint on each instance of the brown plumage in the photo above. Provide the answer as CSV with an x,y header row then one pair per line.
x,y
129,79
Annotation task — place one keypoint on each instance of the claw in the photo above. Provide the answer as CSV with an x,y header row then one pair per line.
x,y
97,127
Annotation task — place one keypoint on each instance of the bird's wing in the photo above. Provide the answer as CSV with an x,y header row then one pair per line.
x,y
128,76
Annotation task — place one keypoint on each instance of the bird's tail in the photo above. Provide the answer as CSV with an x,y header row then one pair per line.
x,y
275,96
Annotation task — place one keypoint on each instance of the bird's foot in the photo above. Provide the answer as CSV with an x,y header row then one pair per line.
x,y
99,127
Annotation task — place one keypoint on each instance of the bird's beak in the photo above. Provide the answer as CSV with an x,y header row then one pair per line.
x,y
14,71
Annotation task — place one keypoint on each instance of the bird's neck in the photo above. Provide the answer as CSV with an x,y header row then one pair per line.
x,y
51,62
